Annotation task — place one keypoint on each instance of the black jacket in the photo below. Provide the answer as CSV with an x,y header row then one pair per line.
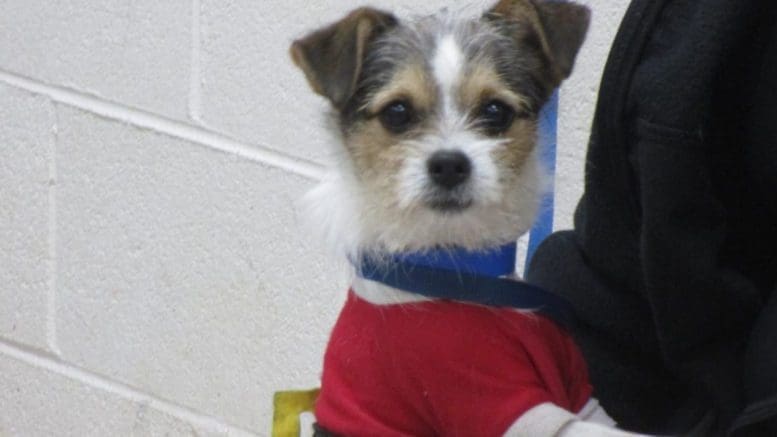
x,y
672,264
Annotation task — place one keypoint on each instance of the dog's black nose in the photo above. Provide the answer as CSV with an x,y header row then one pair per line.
x,y
449,169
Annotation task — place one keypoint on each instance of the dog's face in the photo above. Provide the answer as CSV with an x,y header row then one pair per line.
x,y
439,116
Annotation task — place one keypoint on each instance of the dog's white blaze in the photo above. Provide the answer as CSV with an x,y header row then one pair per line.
x,y
447,66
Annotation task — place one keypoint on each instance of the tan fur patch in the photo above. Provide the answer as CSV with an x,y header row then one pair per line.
x,y
377,157
484,84
378,154
522,137
411,83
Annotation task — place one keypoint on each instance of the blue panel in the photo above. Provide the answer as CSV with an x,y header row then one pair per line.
x,y
547,144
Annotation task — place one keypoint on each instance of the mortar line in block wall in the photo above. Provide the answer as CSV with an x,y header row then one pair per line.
x,y
195,83
143,119
44,362
53,267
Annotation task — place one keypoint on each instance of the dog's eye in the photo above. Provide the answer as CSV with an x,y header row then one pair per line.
x,y
496,117
397,116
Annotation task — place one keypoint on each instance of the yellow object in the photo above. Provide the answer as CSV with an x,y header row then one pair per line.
x,y
287,406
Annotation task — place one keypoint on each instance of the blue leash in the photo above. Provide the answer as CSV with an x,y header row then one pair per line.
x,y
473,277
543,227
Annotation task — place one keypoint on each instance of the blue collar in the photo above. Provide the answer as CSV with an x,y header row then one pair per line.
x,y
492,262
474,277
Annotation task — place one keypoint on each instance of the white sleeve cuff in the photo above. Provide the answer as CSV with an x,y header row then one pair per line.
x,y
543,420
549,420
593,412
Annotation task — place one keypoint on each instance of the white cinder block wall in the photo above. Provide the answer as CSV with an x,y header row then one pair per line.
x,y
154,279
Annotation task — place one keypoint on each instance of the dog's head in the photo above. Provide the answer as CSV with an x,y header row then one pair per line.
x,y
438,117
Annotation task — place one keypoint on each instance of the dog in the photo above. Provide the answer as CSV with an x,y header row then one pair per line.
x,y
437,119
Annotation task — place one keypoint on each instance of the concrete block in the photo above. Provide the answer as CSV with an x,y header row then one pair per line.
x,y
26,146
184,272
137,52
251,90
38,403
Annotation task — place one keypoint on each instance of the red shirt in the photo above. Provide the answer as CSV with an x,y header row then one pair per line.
x,y
443,368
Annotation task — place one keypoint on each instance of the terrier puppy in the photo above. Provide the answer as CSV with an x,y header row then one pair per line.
x,y
438,123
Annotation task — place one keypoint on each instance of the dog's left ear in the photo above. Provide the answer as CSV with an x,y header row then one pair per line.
x,y
560,28
332,57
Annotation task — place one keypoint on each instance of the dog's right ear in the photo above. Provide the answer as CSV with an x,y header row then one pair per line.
x,y
332,57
